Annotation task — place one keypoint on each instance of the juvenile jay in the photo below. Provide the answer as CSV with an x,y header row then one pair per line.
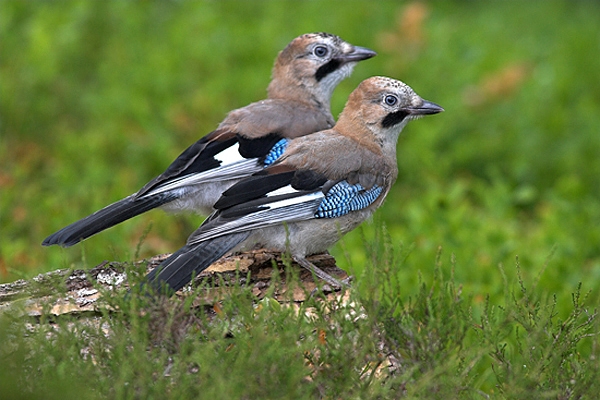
x,y
303,79
322,186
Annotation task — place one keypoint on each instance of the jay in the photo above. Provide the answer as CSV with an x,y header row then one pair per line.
x,y
250,138
320,187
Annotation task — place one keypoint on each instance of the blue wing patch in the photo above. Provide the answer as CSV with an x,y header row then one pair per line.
x,y
276,152
343,198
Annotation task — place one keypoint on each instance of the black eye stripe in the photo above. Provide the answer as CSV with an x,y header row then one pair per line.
x,y
394,118
326,69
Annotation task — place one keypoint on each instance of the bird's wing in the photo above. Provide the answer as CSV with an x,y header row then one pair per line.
x,y
220,156
249,139
281,194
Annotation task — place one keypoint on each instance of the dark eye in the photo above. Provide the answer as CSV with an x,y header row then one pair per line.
x,y
390,100
320,51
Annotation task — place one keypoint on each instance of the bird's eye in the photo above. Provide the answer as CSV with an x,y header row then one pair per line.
x,y
390,100
320,51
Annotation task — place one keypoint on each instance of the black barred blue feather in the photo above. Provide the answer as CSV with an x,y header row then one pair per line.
x,y
343,198
276,151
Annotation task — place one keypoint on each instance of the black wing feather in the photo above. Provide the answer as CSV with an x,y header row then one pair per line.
x,y
105,218
253,187
308,180
257,147
264,182
197,158
254,193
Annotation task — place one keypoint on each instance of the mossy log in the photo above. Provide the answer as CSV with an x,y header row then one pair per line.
x,y
83,288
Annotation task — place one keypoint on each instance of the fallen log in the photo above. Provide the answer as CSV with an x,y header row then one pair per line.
x,y
83,288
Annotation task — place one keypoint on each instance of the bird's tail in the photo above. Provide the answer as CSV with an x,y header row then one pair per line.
x,y
105,218
177,270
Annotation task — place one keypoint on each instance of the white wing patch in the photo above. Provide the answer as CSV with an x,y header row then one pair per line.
x,y
230,155
299,208
310,197
284,190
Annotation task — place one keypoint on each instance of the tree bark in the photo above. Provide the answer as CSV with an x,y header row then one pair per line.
x,y
255,268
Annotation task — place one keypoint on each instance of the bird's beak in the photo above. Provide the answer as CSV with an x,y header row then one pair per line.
x,y
425,109
358,54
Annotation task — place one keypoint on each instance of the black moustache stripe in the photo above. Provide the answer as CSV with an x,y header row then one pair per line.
x,y
394,118
326,69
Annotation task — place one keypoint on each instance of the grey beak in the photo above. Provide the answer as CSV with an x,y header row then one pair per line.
x,y
425,109
358,54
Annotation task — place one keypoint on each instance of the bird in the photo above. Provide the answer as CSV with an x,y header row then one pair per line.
x,y
321,187
304,75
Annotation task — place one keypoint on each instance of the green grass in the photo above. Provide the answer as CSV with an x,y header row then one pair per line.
x,y
377,344
96,98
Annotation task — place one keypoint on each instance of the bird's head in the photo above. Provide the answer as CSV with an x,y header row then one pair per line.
x,y
312,65
380,107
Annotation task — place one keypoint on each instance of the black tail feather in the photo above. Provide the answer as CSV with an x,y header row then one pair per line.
x,y
177,270
105,218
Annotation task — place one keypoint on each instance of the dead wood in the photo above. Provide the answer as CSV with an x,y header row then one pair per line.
x,y
83,288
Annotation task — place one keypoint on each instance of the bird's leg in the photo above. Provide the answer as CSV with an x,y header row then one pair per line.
x,y
335,283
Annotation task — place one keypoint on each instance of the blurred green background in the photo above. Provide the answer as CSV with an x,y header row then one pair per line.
x,y
96,98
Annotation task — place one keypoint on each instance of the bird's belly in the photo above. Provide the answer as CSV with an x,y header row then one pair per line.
x,y
199,198
306,237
